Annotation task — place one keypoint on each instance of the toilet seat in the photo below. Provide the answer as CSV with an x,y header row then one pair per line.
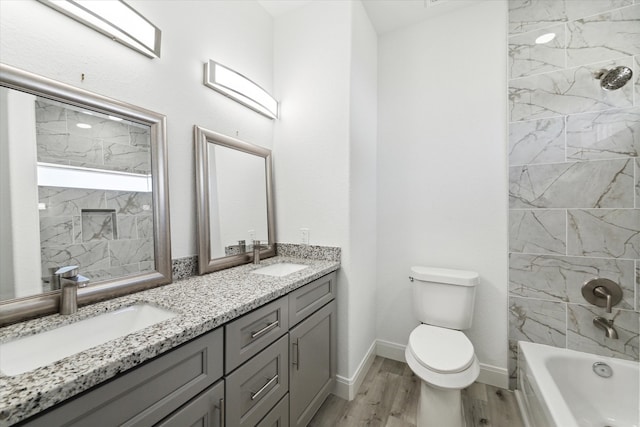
x,y
441,350
443,358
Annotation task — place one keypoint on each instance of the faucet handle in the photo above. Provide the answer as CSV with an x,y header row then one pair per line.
x,y
602,293
68,271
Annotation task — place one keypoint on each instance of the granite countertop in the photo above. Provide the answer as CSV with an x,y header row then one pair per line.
x,y
202,303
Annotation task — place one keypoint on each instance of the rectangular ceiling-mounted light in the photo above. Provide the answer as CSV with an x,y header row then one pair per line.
x,y
115,19
239,88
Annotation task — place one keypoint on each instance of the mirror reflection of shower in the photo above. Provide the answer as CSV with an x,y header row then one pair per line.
x,y
614,78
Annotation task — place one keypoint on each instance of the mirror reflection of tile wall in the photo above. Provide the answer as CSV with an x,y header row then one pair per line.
x,y
107,233
574,176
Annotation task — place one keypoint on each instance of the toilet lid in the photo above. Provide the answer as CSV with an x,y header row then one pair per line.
x,y
440,349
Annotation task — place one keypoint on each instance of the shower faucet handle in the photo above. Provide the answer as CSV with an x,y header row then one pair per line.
x,y
602,292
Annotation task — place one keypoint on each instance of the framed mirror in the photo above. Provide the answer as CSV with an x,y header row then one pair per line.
x,y
83,181
234,200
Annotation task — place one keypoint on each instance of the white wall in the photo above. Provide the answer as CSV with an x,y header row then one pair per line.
x,y
441,167
311,149
363,186
325,153
20,224
39,39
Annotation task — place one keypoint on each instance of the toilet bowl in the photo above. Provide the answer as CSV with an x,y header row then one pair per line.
x,y
438,352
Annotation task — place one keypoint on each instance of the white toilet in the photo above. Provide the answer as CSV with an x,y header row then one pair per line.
x,y
438,352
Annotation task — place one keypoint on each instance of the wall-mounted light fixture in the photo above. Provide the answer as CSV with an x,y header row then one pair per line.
x,y
239,88
115,19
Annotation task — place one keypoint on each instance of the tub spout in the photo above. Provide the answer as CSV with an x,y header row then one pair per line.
x,y
607,326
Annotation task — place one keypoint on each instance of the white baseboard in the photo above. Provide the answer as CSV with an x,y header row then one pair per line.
x,y
347,388
489,374
390,350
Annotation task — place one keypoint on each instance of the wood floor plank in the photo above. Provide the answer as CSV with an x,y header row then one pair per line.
x,y
389,397
503,408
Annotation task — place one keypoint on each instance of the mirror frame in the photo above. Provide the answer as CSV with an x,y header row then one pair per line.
x,y
202,138
24,308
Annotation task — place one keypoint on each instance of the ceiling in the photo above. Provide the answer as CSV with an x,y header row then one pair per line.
x,y
385,15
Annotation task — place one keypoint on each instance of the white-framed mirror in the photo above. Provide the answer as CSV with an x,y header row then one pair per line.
x,y
234,200
84,182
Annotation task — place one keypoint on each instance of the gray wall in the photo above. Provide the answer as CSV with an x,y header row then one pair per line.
x,y
574,173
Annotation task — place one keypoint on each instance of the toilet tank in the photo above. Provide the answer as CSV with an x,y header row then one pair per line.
x,y
444,297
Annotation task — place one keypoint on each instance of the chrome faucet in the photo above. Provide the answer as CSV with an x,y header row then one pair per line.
x,y
70,280
607,326
256,251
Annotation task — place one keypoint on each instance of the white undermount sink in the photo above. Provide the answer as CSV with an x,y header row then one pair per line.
x,y
31,352
280,270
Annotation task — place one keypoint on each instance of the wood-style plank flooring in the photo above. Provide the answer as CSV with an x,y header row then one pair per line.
x,y
389,394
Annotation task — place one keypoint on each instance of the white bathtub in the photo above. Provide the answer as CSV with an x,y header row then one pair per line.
x,y
559,388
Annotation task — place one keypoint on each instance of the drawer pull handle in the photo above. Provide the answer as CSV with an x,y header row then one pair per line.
x,y
255,395
222,414
256,334
296,353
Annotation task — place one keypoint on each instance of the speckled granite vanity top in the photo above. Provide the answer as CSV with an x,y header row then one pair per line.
x,y
202,303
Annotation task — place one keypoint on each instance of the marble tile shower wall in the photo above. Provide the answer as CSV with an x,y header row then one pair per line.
x,y
107,233
574,173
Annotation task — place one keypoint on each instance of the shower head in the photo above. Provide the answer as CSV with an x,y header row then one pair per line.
x,y
614,78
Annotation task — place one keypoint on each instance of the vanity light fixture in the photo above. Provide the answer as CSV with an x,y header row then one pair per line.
x,y
239,88
55,175
115,19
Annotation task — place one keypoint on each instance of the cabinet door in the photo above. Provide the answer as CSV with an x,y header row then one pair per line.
x,y
205,410
313,364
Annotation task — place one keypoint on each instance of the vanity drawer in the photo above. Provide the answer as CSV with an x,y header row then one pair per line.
x,y
253,389
306,300
145,395
278,416
246,336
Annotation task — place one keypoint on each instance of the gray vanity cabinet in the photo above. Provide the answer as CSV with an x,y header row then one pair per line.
x,y
254,388
147,394
313,364
206,410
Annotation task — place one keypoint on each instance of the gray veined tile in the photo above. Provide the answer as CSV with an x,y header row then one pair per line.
x,y
526,57
100,127
636,72
63,148
604,135
537,141
56,231
538,321
127,228
140,135
570,91
130,203
560,278
610,233
145,226
602,37
595,184
537,231
527,15
69,201
583,335
99,225
123,252
127,158
89,256
637,182
50,117
112,273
